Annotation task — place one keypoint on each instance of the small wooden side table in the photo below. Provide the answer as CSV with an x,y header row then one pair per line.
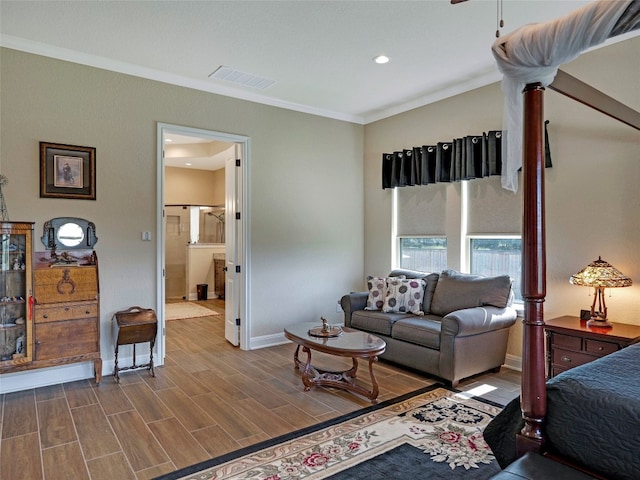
x,y
131,326
571,343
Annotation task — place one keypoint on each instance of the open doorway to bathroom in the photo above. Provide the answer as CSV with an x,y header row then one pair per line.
x,y
202,181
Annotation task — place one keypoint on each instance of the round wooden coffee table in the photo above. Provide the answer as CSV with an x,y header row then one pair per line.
x,y
351,343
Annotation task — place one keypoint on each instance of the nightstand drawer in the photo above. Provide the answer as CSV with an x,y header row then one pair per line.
x,y
600,348
568,359
567,341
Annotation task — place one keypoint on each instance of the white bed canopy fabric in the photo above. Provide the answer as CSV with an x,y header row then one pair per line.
x,y
533,54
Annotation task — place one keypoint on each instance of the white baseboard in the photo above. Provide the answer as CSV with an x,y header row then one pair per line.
x,y
267,341
44,377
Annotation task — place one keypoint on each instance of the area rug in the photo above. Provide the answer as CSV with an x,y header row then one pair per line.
x,y
176,311
433,433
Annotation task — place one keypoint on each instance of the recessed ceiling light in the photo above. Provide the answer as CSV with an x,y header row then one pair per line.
x,y
188,164
381,59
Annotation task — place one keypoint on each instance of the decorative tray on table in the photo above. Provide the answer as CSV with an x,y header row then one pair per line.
x,y
325,330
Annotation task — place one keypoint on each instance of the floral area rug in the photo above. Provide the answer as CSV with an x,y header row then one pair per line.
x,y
434,433
182,310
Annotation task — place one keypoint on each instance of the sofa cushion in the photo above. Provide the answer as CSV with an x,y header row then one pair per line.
x,y
429,289
404,295
456,291
375,322
403,272
377,291
423,331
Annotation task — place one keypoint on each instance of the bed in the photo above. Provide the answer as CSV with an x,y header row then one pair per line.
x,y
529,59
592,418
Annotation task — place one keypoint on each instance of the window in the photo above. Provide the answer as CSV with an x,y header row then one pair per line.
x,y
498,256
425,254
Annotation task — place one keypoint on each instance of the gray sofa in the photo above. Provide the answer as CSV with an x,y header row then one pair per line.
x,y
460,327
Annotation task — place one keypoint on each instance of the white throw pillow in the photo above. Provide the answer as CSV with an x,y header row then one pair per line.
x,y
377,291
404,295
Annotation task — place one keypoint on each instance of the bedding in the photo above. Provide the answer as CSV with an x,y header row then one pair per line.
x,y
593,417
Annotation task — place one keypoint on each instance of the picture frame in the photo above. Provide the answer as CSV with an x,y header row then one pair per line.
x,y
585,314
67,171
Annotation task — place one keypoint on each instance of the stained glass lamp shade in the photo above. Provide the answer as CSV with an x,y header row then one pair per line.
x,y
600,275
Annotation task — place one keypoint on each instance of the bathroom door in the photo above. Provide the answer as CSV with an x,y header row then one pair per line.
x,y
232,236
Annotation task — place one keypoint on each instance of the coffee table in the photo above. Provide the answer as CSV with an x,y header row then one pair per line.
x,y
351,343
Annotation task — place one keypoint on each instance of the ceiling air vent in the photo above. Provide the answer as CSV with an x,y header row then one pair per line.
x,y
232,75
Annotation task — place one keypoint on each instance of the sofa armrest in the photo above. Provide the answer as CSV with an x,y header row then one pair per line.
x,y
472,321
353,302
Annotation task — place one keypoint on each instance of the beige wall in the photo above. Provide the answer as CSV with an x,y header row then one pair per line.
x,y
592,195
305,183
186,186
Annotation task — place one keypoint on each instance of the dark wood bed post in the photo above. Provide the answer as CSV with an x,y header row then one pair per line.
x,y
533,397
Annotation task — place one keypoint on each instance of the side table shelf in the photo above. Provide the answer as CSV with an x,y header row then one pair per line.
x,y
131,326
571,343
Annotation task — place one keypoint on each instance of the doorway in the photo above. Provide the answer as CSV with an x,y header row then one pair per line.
x,y
234,239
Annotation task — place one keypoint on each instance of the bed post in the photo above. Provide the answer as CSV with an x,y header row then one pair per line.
x,y
533,398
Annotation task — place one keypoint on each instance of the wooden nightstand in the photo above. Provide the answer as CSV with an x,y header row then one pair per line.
x,y
571,343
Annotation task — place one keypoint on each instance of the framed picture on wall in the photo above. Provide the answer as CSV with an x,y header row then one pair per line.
x,y
67,171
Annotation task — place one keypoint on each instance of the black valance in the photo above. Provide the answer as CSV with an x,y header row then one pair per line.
x,y
464,158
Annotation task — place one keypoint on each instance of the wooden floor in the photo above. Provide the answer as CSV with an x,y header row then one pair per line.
x,y
208,399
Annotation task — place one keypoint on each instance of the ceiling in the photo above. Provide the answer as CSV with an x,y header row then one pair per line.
x,y
319,53
197,153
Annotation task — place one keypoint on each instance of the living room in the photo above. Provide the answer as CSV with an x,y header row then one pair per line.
x,y
350,234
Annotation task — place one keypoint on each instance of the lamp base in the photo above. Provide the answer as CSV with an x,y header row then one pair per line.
x,y
599,322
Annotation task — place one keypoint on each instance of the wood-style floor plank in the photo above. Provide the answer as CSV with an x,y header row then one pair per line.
x,y
146,402
111,397
56,425
110,467
49,393
182,448
226,416
19,415
80,393
94,431
64,462
138,443
20,457
215,441
185,409
209,399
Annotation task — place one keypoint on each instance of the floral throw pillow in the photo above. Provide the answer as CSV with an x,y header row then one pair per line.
x,y
404,295
377,291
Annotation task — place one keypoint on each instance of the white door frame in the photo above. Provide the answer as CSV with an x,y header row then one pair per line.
x,y
242,242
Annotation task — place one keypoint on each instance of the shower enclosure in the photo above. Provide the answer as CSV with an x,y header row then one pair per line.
x,y
194,234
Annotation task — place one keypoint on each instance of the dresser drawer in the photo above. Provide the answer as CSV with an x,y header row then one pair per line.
x,y
600,348
566,341
66,311
67,338
65,284
568,359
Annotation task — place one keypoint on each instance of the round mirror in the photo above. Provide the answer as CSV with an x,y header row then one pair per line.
x,y
70,234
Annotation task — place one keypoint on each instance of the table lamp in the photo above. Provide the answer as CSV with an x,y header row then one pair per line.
x,y
600,275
